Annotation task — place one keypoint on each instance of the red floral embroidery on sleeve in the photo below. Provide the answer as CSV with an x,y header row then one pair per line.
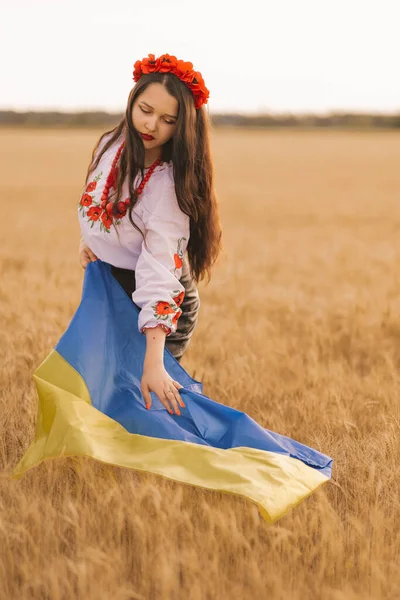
x,y
176,316
162,310
179,299
178,256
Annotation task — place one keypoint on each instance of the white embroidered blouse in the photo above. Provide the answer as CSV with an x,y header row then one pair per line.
x,y
158,264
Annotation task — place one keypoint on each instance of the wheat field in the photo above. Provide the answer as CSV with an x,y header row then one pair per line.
x,y
299,327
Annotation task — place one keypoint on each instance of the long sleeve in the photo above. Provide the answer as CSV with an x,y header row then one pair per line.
x,y
159,292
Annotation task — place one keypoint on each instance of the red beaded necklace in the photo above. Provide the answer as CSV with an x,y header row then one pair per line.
x,y
112,176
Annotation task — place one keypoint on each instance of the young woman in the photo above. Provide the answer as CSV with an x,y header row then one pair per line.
x,y
149,209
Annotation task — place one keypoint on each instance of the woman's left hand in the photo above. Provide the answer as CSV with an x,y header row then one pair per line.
x,y
156,379
85,254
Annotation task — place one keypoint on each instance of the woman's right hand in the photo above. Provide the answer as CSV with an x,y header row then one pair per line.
x,y
85,254
156,379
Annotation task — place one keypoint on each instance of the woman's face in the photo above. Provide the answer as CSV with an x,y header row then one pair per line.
x,y
155,112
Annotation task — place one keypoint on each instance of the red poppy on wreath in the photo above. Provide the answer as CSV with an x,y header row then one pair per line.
x,y
179,299
107,220
163,308
91,186
147,65
86,200
94,213
176,316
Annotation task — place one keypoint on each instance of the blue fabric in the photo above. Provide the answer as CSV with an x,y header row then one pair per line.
x,y
104,345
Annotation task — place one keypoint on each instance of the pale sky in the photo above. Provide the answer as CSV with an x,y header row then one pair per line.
x,y
256,55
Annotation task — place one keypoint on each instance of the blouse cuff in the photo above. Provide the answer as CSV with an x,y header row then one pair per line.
x,y
164,314
164,327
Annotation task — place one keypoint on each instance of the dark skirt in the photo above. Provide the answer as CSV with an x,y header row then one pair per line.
x,y
177,342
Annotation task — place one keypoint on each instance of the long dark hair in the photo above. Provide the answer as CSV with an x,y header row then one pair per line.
x,y
190,152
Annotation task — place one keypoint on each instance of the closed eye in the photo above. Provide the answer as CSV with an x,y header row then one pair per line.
x,y
148,112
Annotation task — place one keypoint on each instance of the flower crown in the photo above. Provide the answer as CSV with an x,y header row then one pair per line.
x,y
183,70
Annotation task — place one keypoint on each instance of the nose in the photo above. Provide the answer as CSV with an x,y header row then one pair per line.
x,y
151,125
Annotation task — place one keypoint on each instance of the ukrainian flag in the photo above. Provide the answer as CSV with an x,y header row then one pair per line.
x,y
90,404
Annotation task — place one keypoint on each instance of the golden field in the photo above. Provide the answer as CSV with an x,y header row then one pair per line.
x,y
299,327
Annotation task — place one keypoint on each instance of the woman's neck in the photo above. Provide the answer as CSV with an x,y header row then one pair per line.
x,y
150,156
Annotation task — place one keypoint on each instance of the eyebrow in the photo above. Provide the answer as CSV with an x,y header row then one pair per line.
x,y
172,116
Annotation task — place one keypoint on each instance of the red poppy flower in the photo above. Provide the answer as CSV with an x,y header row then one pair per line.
x,y
187,76
147,65
107,220
176,316
163,308
91,186
183,66
178,261
179,299
197,82
86,200
167,63
94,213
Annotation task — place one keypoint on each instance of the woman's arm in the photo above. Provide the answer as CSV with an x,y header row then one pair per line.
x,y
159,292
155,378
155,342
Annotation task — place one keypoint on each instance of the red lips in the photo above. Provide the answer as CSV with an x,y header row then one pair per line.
x,y
146,137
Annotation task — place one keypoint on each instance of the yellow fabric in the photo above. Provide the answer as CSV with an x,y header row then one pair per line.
x,y
68,424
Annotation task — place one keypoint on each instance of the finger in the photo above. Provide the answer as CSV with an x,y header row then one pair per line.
x,y
179,387
179,401
146,397
165,401
92,256
172,400
84,261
